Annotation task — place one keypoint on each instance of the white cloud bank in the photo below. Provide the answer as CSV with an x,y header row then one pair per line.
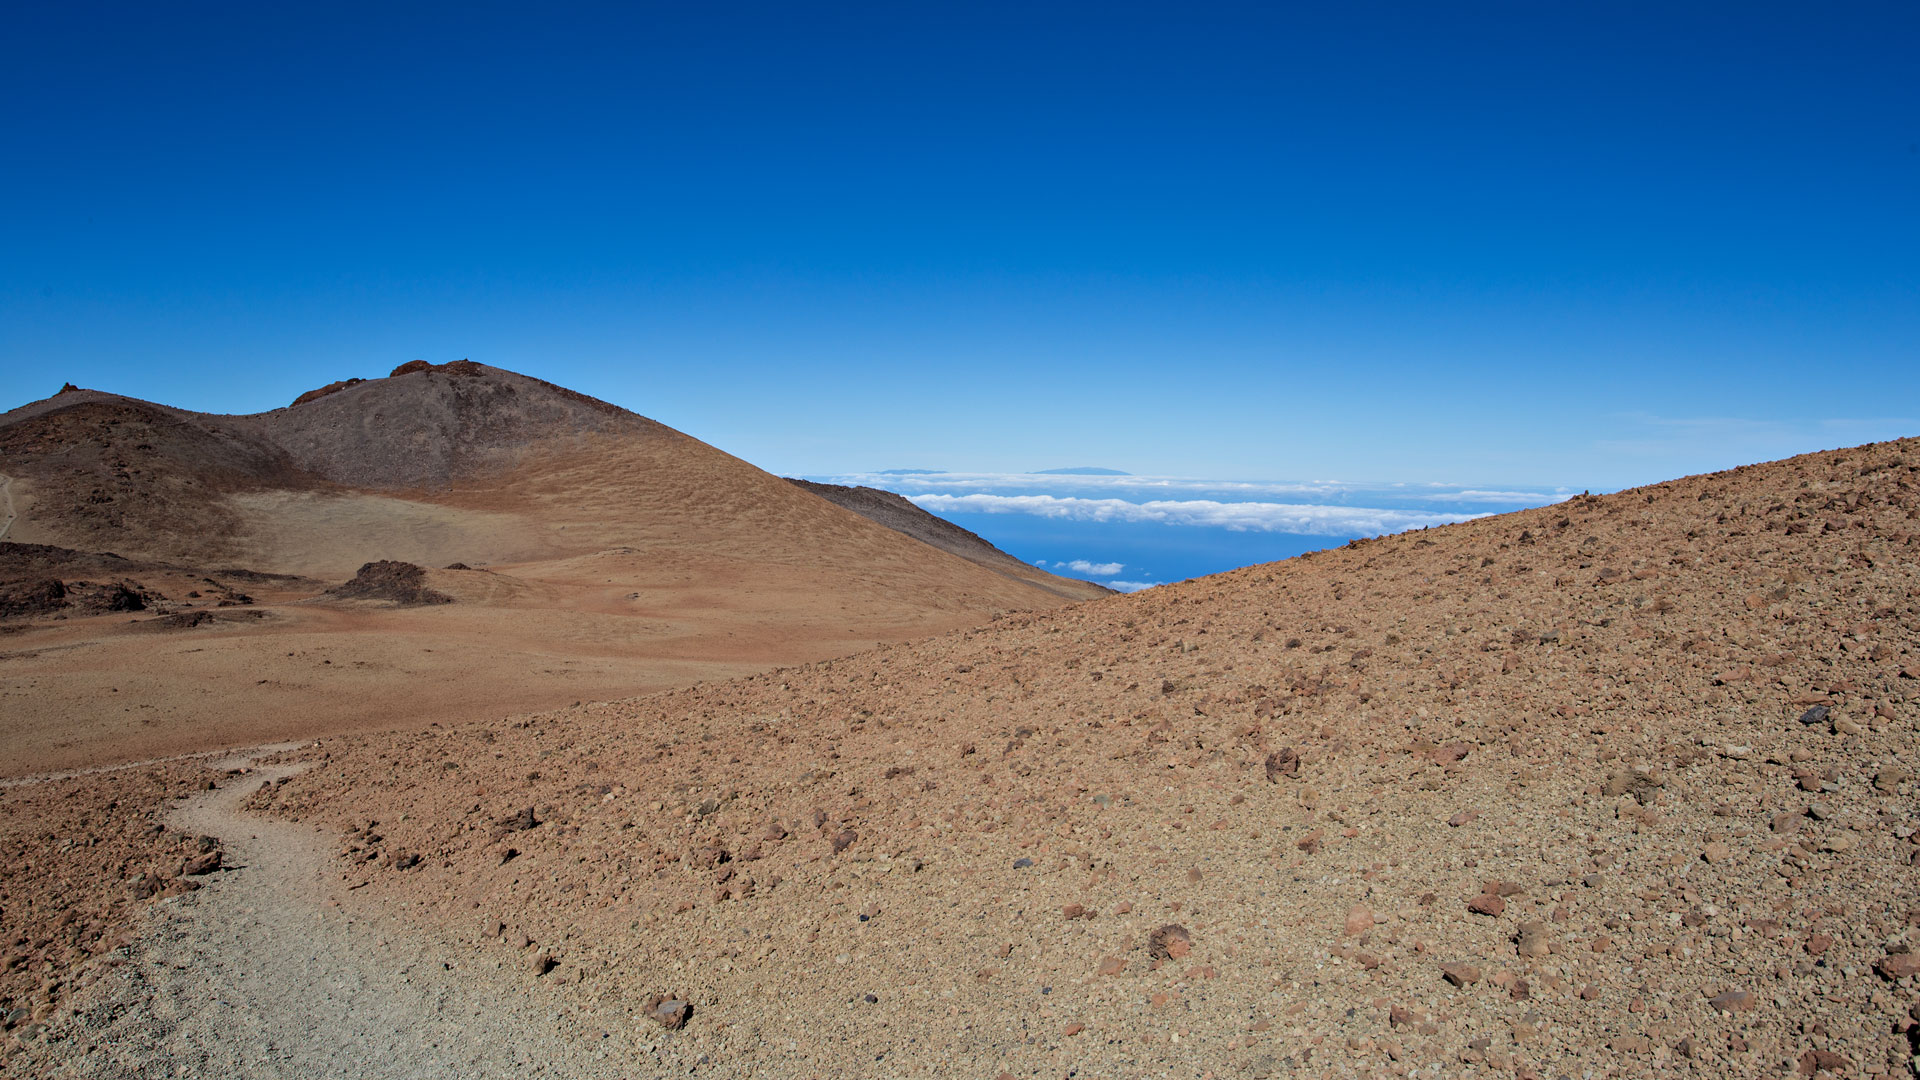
x,y
1131,586
1303,519
1169,487
1094,569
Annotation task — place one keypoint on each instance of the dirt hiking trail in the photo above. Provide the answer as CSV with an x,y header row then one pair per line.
x,y
261,974
6,496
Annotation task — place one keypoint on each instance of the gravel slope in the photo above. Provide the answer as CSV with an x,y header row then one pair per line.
x,y
1620,787
1624,786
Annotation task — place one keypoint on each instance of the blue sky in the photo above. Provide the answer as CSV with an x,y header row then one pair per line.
x,y
1488,245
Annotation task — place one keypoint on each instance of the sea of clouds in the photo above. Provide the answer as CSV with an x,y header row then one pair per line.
x,y
1134,532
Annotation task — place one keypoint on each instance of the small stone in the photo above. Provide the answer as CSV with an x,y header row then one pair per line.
x,y
1460,974
1112,965
1359,920
1815,715
1898,965
202,864
1462,818
1888,781
1635,782
1282,762
1787,821
541,963
1075,911
1022,864
773,831
1170,942
669,1012
1531,940
1489,904
1733,1001
1814,1062
843,840
1716,852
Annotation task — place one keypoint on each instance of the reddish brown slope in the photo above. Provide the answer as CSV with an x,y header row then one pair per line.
x,y
1593,711
615,556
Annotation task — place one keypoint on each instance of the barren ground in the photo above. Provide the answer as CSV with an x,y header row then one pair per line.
x,y
1620,787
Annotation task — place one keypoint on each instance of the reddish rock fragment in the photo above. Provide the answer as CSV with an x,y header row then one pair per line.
x,y
1170,942
1359,920
1282,762
1460,974
1817,1061
1898,965
1489,904
202,864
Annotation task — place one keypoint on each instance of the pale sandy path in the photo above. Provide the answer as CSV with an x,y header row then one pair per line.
x,y
258,975
6,494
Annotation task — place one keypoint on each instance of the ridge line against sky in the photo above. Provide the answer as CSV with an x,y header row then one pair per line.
x,y
1514,245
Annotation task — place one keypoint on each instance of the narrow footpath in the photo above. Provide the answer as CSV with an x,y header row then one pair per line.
x,y
261,974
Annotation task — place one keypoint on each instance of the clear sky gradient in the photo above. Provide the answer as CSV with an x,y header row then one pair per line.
x,y
1561,245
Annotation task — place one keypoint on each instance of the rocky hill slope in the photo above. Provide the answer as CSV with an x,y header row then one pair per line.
x,y
1622,786
434,464
588,553
900,515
